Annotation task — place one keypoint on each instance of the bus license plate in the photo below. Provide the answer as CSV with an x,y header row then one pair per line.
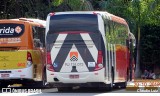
x,y
73,76
4,75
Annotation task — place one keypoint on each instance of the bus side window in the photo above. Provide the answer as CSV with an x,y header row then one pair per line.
x,y
38,36
121,34
38,43
108,31
111,31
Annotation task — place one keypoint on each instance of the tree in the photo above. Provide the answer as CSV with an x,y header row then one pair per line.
x,y
72,5
25,8
143,10
137,13
150,47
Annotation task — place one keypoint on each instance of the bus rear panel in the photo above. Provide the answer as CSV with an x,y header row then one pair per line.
x,y
20,58
13,57
75,51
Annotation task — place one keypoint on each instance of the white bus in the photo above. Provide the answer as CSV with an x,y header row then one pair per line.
x,y
86,48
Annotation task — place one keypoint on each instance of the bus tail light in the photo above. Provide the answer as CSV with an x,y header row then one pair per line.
x,y
29,59
99,64
49,65
94,13
51,14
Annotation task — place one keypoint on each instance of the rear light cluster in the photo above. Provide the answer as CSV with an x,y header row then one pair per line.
x,y
51,14
29,59
49,65
94,13
99,64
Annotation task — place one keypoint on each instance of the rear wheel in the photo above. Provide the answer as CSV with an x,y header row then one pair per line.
x,y
127,79
44,78
105,87
3,85
112,79
108,87
62,89
28,84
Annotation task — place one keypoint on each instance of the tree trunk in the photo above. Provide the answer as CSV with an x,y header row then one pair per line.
x,y
138,71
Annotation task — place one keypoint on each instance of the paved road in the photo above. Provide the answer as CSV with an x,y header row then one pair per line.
x,y
54,92
74,92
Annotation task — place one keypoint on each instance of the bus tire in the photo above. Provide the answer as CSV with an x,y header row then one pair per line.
x,y
109,87
128,75
127,78
124,84
112,80
44,78
112,75
63,89
3,85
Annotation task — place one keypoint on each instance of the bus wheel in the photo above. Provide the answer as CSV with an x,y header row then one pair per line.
x,y
112,80
108,87
44,81
3,85
128,75
127,79
105,87
62,89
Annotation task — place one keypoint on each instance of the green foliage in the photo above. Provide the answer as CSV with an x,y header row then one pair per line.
x,y
149,10
134,11
139,14
72,5
24,8
57,2
150,38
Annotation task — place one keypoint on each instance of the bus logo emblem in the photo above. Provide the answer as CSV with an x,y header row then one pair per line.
x,y
18,29
74,56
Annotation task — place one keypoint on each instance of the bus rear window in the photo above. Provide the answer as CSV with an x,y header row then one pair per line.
x,y
73,22
8,30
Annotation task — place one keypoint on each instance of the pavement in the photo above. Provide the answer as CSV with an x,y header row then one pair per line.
x,y
147,85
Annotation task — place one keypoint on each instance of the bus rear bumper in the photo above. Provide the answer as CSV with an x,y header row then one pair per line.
x,y
25,73
81,77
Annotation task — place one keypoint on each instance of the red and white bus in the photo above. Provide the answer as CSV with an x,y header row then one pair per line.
x,y
87,48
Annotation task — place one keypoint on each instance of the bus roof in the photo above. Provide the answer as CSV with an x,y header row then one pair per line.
x,y
105,14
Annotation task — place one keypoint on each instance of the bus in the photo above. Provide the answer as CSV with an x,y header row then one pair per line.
x,y
87,49
22,51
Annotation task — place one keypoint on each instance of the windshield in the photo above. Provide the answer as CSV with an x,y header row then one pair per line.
x,y
73,22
